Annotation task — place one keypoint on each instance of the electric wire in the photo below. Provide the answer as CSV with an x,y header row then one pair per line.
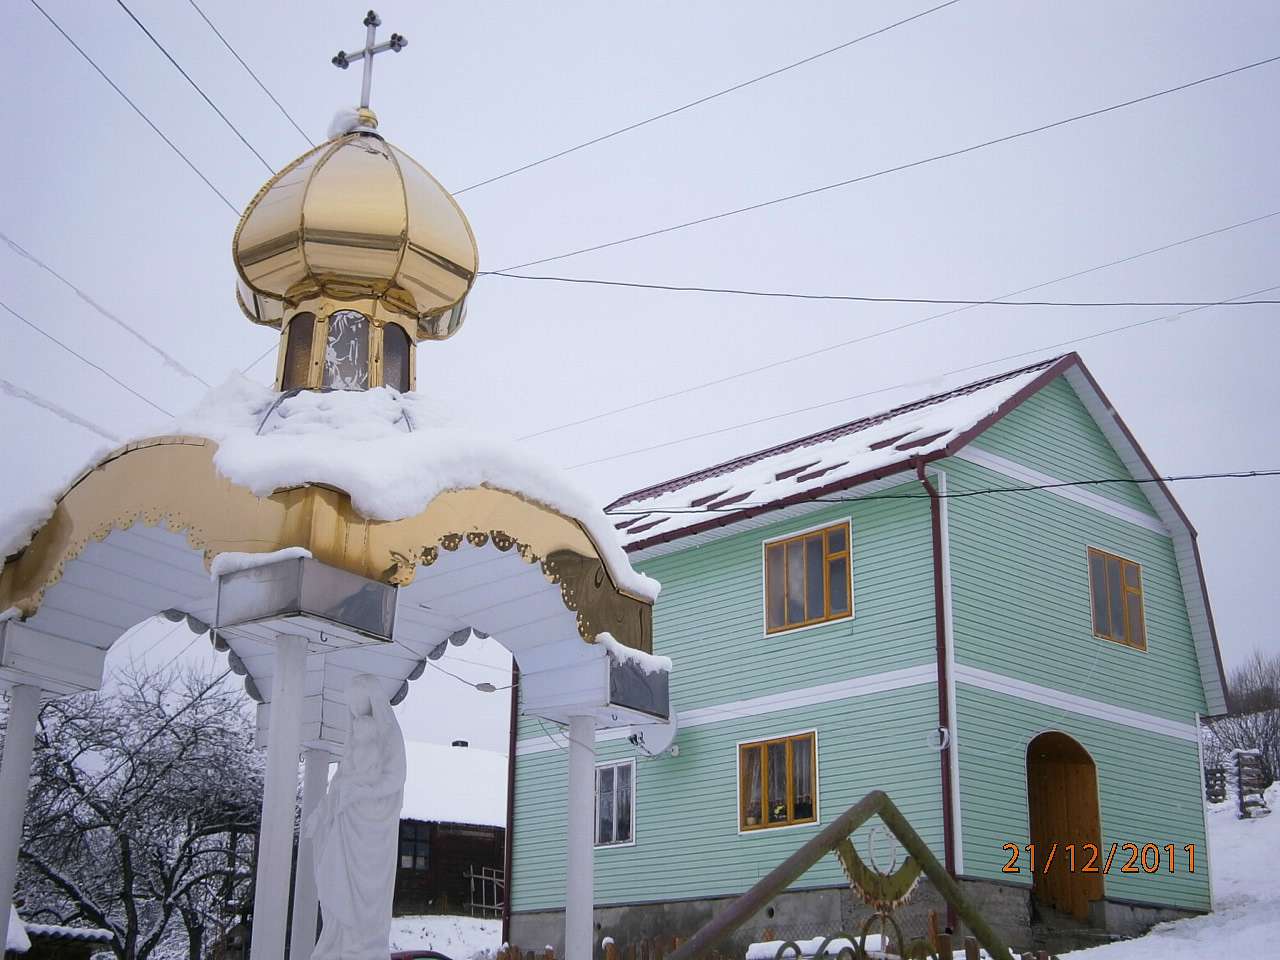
x,y
225,119
794,358
226,43
59,411
959,494
862,178
80,356
908,383
701,100
929,301
164,355
138,110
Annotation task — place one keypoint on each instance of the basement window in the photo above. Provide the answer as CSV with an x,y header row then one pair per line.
x,y
615,801
778,782
807,579
1115,589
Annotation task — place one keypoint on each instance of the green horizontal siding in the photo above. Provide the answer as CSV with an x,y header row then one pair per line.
x,y
1148,790
1021,605
686,828
1053,432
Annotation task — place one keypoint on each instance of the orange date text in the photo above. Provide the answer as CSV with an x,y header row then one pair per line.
x,y
1090,858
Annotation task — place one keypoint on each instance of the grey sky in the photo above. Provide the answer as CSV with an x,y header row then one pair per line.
x,y
484,87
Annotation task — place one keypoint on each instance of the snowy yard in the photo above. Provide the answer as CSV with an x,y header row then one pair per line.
x,y
1245,860
460,938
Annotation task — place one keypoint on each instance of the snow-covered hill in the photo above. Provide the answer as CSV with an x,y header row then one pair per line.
x,y
1245,863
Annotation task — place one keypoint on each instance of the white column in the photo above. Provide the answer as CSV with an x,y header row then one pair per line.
x,y
315,781
15,774
275,833
579,893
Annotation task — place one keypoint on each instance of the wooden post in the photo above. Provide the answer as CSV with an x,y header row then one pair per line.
x,y
942,944
971,951
610,950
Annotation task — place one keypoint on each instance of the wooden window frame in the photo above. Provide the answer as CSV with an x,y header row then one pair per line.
x,y
1126,590
421,833
595,805
762,745
845,524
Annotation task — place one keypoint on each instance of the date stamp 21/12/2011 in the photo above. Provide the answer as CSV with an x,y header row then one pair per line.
x,y
1090,858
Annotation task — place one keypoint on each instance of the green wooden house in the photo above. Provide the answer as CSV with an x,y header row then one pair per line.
x,y
912,602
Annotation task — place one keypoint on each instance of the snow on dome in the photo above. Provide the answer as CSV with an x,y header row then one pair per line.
x,y
454,785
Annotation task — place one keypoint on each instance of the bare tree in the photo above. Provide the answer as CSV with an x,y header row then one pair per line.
x,y
1253,696
141,800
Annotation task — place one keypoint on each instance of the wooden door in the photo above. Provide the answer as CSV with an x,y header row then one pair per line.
x,y
1062,796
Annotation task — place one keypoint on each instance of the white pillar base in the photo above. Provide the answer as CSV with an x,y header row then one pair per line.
x,y
275,834
306,901
15,776
579,904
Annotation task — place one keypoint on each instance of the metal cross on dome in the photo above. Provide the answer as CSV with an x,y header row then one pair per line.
x,y
397,43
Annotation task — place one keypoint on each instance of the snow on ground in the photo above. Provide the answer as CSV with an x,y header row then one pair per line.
x,y
460,938
1245,866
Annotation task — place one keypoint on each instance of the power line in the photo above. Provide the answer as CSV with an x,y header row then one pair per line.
x,y
165,356
960,494
225,119
249,70
898,168
897,386
59,411
684,391
80,356
932,301
701,100
136,109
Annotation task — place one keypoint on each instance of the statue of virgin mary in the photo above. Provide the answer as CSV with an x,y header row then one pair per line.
x,y
356,829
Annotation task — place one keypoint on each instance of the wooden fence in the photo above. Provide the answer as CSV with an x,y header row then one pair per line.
x,y
1215,784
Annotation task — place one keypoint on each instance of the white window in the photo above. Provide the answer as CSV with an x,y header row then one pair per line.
x,y
615,800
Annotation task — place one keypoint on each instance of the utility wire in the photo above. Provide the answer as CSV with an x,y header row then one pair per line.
x,y
706,384
249,70
909,383
701,100
931,301
59,411
960,494
138,110
80,356
862,178
165,356
225,119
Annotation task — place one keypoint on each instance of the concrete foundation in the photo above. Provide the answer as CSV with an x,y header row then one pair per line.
x,y
818,912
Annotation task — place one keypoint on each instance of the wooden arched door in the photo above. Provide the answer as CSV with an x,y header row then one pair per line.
x,y
1062,797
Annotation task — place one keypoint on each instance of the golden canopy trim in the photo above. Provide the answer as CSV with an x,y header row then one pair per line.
x,y
173,481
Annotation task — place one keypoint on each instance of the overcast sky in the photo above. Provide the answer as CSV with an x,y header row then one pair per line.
x,y
487,87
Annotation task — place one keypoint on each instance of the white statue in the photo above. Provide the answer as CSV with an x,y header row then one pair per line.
x,y
356,831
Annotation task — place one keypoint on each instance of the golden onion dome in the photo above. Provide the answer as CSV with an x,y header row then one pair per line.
x,y
353,219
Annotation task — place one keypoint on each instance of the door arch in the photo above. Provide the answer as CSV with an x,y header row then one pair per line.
x,y
1062,800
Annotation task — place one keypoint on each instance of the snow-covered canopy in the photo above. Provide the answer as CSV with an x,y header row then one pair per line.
x,y
454,785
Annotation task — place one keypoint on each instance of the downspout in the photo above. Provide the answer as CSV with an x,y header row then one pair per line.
x,y
511,805
944,707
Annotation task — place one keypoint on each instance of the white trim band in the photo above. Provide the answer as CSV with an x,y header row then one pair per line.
x,y
1047,696
769,703
1017,471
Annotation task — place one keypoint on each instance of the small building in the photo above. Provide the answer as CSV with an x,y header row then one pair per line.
x,y
452,831
45,941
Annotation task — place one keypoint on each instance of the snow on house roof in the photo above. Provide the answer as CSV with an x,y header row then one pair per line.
x,y
18,938
840,456
393,453
454,785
